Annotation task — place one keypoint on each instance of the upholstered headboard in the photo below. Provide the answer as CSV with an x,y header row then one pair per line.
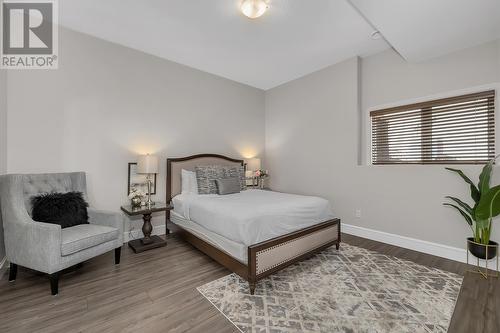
x,y
175,165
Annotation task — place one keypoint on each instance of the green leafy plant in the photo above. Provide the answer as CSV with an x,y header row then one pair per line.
x,y
486,204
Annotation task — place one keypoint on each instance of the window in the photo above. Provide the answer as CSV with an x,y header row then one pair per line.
x,y
457,130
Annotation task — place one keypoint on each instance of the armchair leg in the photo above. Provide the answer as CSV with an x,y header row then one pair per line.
x,y
12,272
54,283
118,252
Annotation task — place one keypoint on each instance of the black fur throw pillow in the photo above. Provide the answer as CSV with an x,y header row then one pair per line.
x,y
66,209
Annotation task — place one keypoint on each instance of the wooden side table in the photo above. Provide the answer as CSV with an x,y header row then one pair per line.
x,y
148,242
252,187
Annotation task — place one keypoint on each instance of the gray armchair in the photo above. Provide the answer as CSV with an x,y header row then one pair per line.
x,y
46,247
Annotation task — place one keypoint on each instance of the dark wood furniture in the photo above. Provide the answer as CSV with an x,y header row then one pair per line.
x,y
264,258
148,242
266,188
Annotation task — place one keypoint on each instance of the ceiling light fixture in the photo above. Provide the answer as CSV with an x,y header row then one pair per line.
x,y
254,8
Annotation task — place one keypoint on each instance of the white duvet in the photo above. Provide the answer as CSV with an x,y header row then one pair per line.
x,y
253,216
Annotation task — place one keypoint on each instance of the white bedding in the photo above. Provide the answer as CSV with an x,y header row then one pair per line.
x,y
234,249
253,216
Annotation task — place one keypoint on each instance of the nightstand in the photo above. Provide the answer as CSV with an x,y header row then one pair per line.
x,y
251,187
148,242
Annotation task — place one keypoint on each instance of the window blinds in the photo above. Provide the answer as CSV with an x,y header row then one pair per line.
x,y
457,130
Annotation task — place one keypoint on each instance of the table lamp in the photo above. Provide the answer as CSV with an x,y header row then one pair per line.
x,y
148,165
253,164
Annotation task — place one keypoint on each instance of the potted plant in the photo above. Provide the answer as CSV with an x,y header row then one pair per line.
x,y
480,216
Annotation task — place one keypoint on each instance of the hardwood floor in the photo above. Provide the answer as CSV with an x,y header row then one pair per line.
x,y
155,291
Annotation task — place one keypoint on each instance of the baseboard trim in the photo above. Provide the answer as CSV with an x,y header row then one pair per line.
x,y
435,249
137,233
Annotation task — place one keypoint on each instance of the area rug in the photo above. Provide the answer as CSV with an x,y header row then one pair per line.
x,y
352,290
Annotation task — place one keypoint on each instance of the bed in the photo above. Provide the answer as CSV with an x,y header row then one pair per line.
x,y
254,233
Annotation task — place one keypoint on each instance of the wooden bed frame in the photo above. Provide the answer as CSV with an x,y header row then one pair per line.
x,y
264,258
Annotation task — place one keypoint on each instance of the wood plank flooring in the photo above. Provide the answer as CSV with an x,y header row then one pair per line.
x,y
155,291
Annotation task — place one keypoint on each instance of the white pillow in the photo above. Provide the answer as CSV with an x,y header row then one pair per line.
x,y
189,182
185,181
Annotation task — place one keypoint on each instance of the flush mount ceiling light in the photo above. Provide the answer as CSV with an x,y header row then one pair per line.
x,y
254,8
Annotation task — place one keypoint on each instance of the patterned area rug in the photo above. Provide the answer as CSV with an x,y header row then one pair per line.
x,y
353,290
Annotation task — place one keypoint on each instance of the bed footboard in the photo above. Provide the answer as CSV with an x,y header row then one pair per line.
x,y
273,255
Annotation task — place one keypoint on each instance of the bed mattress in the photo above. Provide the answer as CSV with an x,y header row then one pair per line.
x,y
252,216
236,250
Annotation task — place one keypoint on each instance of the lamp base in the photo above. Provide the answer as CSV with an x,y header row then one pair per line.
x,y
149,202
138,246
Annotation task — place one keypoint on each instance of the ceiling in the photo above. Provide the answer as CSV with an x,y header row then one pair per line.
x,y
292,39
424,29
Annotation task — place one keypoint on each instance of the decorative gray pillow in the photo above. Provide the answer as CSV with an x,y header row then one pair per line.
x,y
236,172
228,185
206,176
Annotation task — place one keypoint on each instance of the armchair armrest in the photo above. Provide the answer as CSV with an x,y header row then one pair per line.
x,y
33,244
108,219
28,243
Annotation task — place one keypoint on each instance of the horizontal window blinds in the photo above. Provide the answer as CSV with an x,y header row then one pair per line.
x,y
457,130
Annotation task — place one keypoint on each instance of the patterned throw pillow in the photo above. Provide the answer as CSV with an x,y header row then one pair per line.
x,y
236,172
228,185
206,176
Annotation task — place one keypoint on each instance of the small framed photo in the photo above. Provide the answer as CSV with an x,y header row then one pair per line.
x,y
139,181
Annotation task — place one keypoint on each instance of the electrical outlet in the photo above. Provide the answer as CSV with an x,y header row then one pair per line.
x,y
358,213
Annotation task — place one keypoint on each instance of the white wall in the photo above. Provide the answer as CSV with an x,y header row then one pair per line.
x,y
311,135
311,141
389,80
3,121
106,104
3,144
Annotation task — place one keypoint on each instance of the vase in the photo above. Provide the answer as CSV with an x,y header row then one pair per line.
x,y
135,202
482,251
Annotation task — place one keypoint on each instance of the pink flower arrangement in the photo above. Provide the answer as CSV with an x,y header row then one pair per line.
x,y
261,173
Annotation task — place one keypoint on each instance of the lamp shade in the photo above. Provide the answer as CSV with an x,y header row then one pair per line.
x,y
147,164
253,164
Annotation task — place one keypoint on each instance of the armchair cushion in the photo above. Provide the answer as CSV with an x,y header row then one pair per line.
x,y
85,236
66,209
108,219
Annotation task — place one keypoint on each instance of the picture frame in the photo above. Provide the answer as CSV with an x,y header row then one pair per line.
x,y
139,181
